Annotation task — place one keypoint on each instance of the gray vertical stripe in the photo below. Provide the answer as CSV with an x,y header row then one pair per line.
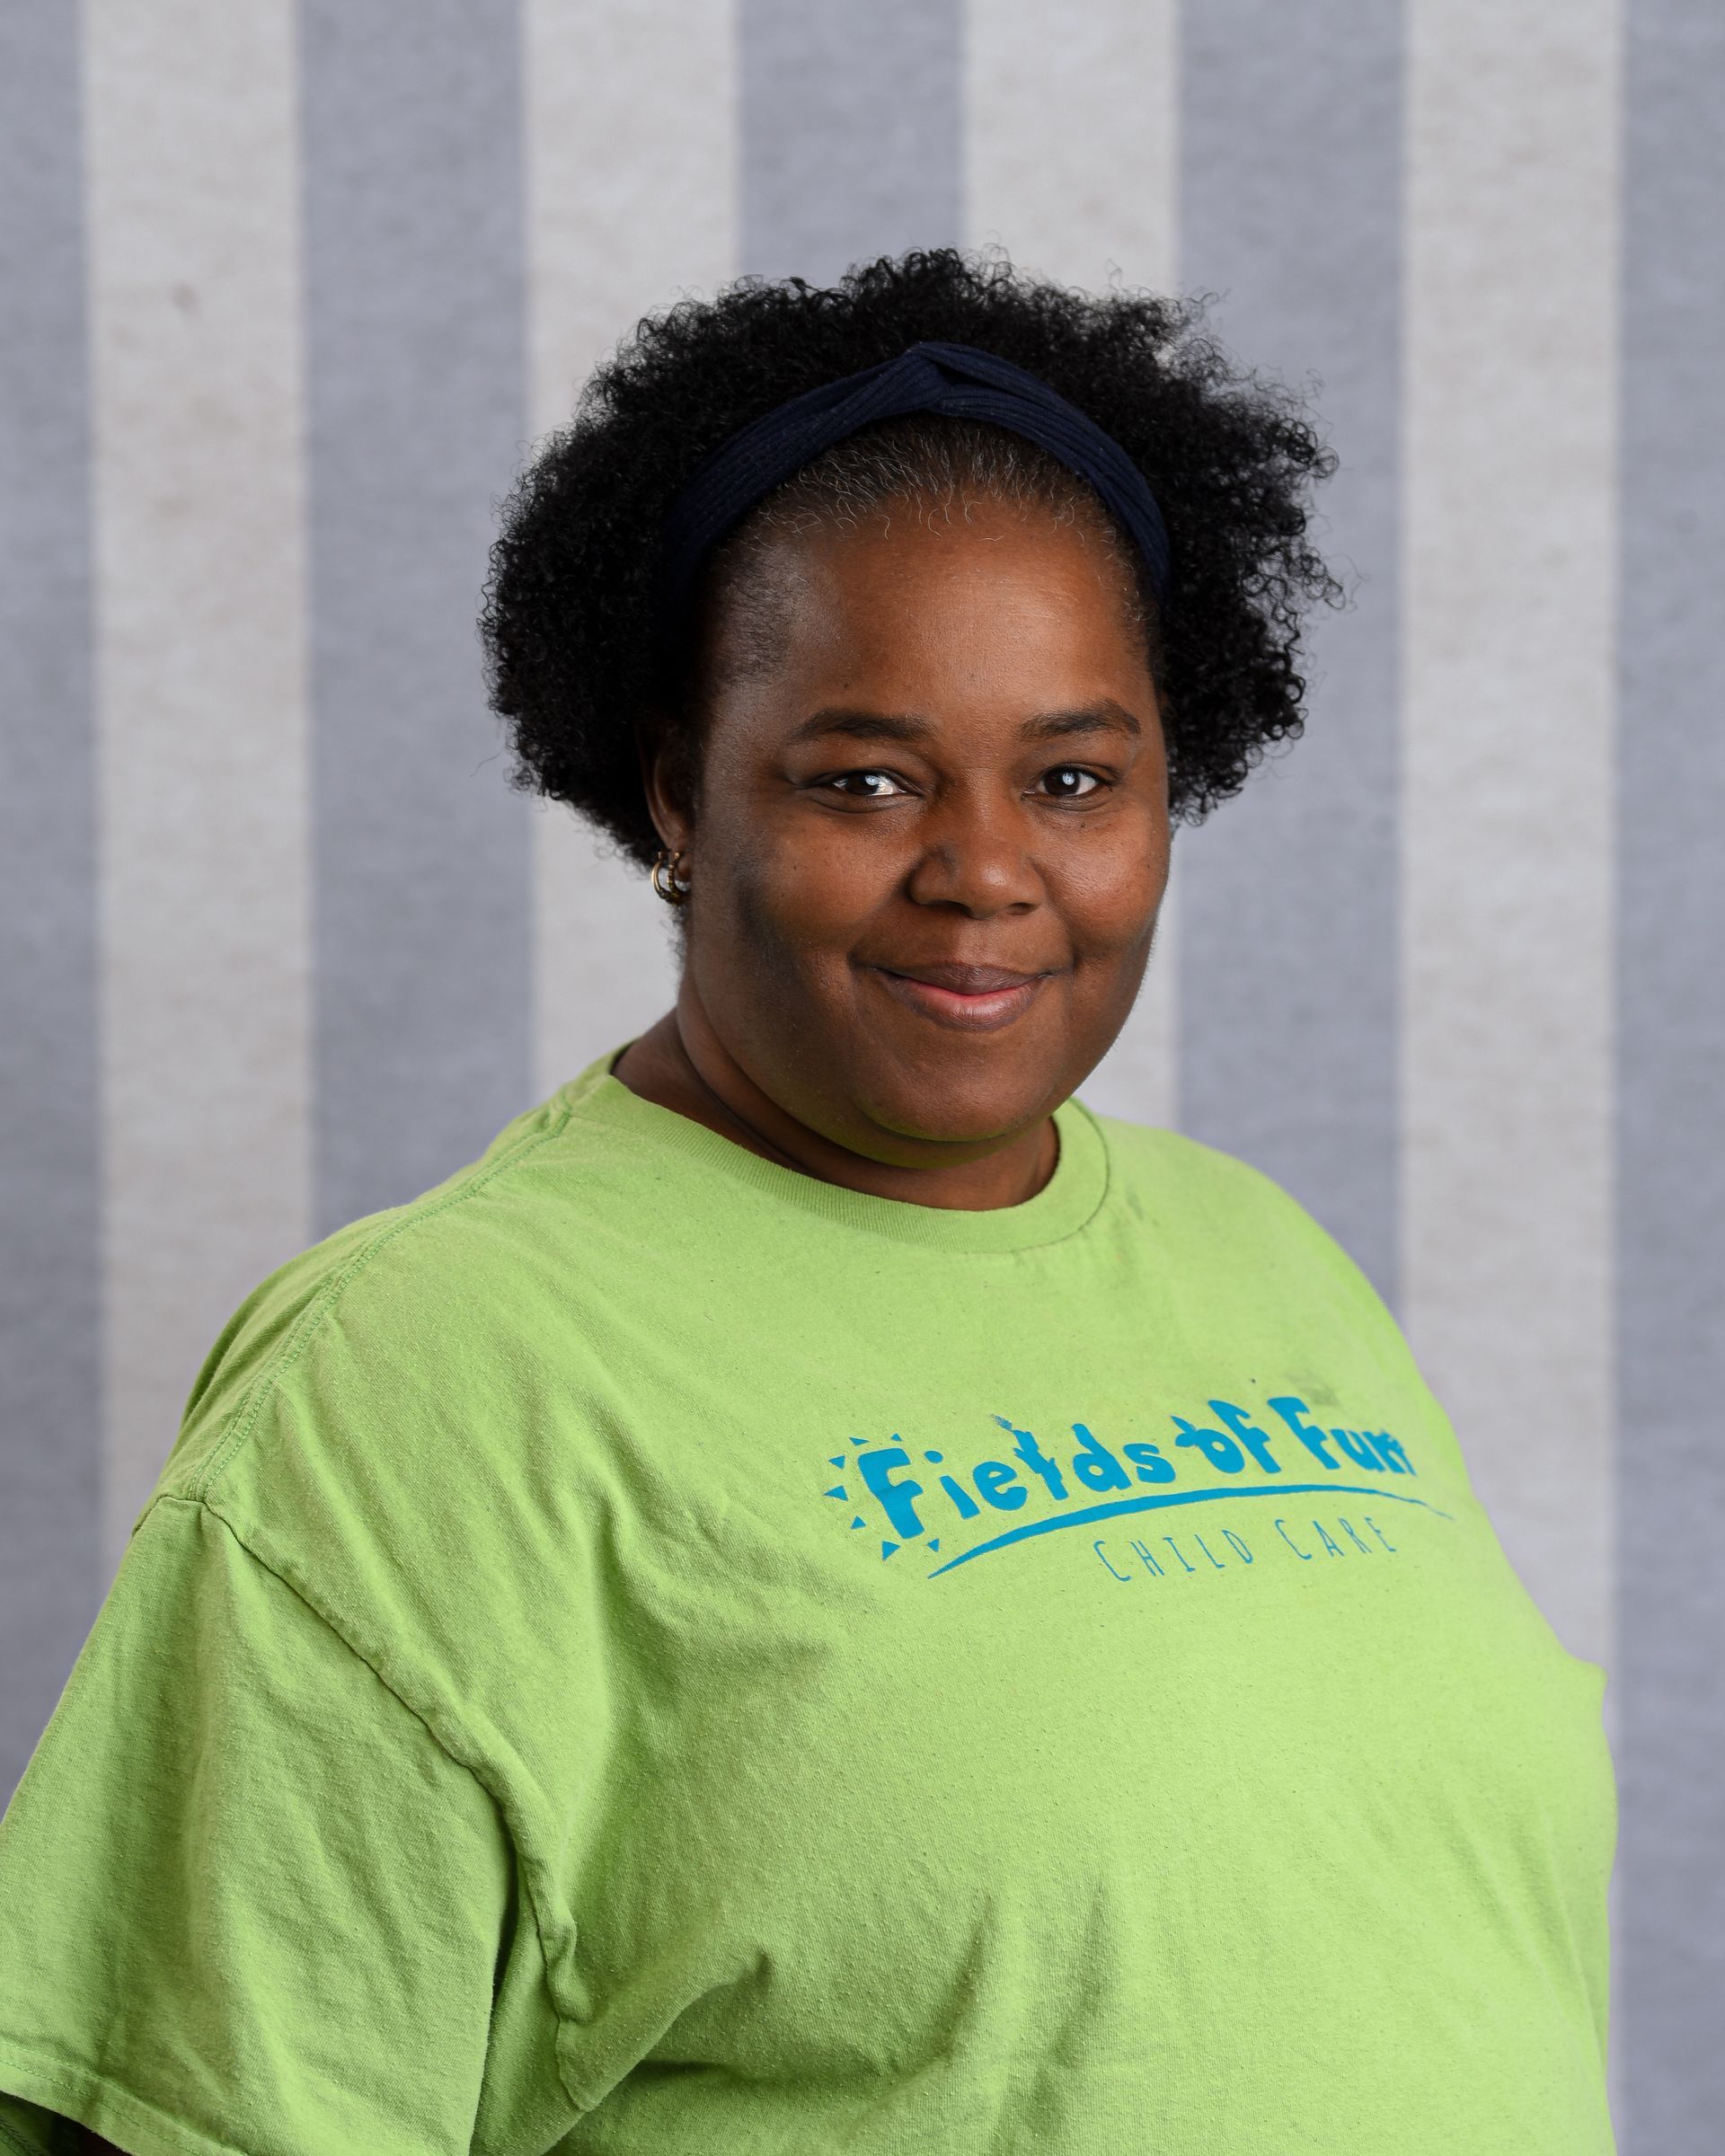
x,y
50,1383
416,387
1291,204
1670,1946
851,140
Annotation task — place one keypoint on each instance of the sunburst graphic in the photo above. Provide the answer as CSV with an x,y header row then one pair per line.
x,y
841,1493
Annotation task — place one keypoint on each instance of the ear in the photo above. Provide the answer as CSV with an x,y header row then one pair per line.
x,y
665,778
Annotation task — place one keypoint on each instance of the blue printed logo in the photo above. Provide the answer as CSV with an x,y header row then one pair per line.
x,y
1090,1482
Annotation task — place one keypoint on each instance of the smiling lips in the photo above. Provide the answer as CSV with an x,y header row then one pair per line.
x,y
972,999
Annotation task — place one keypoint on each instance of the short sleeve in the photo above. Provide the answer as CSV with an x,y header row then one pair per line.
x,y
247,1901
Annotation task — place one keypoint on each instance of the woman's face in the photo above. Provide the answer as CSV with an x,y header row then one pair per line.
x,y
931,833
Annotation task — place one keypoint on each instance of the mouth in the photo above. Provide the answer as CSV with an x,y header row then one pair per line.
x,y
970,999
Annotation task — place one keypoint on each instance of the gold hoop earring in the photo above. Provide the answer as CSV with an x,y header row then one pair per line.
x,y
665,880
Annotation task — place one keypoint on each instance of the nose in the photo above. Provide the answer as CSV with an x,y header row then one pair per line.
x,y
975,856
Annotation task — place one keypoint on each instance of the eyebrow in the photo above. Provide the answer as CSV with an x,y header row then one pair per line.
x,y
1105,716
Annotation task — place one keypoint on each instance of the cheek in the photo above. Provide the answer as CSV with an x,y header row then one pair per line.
x,y
791,915
816,886
1110,892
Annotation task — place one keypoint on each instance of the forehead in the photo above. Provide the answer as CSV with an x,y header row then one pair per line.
x,y
990,592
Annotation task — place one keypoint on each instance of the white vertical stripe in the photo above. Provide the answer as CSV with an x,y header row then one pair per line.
x,y
1070,165
1508,890
200,684
1070,144
632,201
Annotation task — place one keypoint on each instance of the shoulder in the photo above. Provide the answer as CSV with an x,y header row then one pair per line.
x,y
1220,1207
1167,1168
390,1423
395,1299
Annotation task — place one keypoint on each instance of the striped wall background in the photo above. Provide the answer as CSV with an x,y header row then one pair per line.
x,y
287,293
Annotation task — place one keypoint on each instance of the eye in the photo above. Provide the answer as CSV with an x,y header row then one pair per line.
x,y
866,786
1072,782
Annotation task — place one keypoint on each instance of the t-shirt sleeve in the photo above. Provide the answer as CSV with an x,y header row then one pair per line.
x,y
247,1901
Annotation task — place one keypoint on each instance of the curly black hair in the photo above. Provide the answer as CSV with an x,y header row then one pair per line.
x,y
575,657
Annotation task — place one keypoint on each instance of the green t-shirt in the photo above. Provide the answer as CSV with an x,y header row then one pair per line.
x,y
643,1651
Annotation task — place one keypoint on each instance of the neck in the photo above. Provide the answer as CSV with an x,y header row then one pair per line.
x,y
682,1065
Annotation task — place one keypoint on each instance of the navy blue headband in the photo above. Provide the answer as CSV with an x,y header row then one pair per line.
x,y
956,380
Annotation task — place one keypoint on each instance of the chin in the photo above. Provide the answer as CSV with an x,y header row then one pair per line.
x,y
953,1108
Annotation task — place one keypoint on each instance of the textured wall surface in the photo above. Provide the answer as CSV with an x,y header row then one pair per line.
x,y
289,293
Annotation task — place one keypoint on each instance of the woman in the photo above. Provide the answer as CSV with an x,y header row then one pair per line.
x,y
820,1596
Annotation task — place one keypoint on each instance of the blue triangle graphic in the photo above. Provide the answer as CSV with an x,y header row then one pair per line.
x,y
859,1521
887,1549
837,1461
935,1543
837,1491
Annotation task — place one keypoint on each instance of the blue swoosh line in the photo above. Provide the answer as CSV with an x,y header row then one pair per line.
x,y
1185,1496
